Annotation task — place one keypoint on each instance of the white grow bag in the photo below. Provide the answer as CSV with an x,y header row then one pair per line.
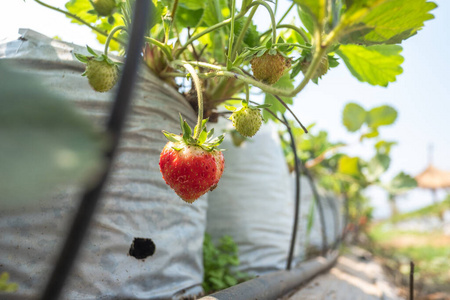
x,y
253,202
136,203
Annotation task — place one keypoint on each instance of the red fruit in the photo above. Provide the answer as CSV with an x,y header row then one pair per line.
x,y
191,171
192,166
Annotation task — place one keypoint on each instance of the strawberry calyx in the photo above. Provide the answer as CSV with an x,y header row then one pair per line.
x,y
205,140
97,57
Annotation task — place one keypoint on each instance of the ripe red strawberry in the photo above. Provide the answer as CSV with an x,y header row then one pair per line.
x,y
191,167
269,67
102,72
104,7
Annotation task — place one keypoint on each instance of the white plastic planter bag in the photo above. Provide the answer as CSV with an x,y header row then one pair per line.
x,y
136,203
253,202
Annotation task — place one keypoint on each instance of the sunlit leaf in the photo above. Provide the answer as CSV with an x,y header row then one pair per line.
x,y
315,8
401,183
353,117
377,166
385,21
381,115
377,65
349,166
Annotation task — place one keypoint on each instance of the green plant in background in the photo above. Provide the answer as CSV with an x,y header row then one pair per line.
x,y
5,285
219,262
346,175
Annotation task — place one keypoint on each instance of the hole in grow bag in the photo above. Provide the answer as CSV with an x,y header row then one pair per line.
x,y
142,248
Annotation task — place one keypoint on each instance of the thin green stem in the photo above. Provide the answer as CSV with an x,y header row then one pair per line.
x,y
292,113
161,46
111,35
241,36
198,88
230,43
208,30
72,16
293,45
174,9
247,88
272,18
300,31
286,13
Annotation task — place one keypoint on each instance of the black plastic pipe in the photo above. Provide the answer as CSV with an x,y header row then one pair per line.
x,y
277,284
297,196
323,227
114,127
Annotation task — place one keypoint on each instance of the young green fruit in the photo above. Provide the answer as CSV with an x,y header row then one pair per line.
x,y
321,70
191,167
102,72
247,120
104,7
102,75
269,68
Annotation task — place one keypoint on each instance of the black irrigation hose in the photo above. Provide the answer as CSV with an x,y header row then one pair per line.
x,y
335,213
319,207
297,196
114,127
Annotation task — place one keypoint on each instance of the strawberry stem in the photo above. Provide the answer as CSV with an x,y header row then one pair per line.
x,y
272,18
110,36
230,44
198,88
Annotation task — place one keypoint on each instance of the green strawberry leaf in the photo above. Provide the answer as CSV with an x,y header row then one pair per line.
x,y
269,44
371,134
315,10
377,166
186,17
251,37
230,108
349,166
401,183
307,20
380,116
377,65
46,143
385,21
353,117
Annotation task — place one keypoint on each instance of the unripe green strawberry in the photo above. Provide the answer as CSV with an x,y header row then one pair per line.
x,y
102,75
104,7
321,70
247,120
102,72
269,68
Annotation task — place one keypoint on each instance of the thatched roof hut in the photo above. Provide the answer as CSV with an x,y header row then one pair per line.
x,y
433,178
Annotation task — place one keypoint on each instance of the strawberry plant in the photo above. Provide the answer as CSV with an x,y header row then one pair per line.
x,y
217,44
219,261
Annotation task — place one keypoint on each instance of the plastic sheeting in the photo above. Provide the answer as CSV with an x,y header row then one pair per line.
x,y
136,203
254,204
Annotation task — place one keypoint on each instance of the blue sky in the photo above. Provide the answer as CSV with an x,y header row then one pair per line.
x,y
421,93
